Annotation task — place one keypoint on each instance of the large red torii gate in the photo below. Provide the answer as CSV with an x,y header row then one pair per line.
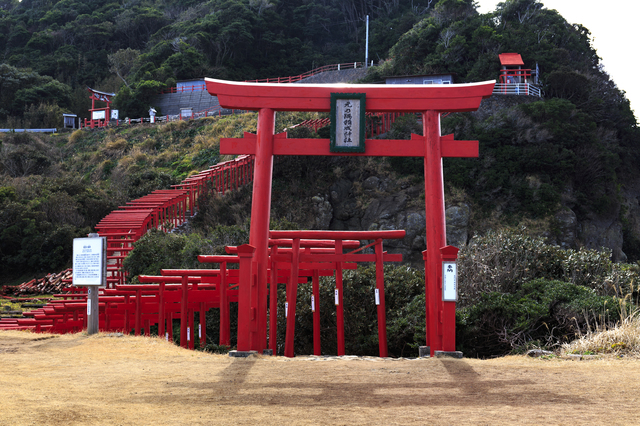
x,y
430,100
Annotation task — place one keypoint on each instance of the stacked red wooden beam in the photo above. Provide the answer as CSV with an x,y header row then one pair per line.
x,y
51,284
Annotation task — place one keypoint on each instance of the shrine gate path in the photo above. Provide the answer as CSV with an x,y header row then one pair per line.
x,y
430,100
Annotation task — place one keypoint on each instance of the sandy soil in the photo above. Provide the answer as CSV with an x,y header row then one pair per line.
x,y
106,379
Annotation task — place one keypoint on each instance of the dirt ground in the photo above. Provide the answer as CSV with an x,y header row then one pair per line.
x,y
121,380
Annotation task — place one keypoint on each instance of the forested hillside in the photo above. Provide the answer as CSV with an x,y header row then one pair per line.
x,y
53,49
559,172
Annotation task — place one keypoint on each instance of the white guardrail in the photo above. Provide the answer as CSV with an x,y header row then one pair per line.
x,y
524,89
28,130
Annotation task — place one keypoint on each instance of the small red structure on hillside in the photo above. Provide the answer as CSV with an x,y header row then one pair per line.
x,y
514,79
99,116
512,71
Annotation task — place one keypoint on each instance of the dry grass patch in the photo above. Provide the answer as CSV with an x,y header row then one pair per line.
x,y
111,379
77,135
623,339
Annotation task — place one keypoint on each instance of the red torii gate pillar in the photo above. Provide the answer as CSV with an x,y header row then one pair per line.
x,y
437,321
260,219
431,100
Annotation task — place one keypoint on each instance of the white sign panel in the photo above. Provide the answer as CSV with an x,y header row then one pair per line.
x,y
98,115
313,303
337,297
89,261
377,296
449,282
114,114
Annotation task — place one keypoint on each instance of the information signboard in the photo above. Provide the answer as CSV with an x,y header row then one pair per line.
x,y
89,261
186,113
347,122
98,115
449,282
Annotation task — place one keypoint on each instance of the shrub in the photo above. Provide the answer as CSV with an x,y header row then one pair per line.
x,y
301,132
116,148
232,208
501,261
76,136
542,312
44,115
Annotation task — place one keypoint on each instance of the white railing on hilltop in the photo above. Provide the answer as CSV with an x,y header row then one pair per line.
x,y
522,89
28,130
211,112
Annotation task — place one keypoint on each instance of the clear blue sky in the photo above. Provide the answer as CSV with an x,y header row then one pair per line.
x,y
614,33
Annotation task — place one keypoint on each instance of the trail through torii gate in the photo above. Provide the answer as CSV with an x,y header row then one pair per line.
x,y
430,100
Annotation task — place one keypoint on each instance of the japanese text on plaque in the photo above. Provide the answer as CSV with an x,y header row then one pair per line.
x,y
348,122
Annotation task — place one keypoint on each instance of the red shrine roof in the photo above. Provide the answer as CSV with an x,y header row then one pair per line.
x,y
511,59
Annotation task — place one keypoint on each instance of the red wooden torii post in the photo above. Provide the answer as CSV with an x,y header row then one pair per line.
x,y
430,100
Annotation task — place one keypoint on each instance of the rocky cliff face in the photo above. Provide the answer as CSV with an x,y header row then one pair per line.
x,y
378,203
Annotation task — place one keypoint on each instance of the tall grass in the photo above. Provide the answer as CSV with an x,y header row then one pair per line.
x,y
621,339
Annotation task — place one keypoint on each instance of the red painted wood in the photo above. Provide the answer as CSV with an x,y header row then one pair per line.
x,y
413,147
380,98
435,225
246,321
381,310
448,254
225,324
260,218
339,306
339,235
292,296
273,303
184,312
315,290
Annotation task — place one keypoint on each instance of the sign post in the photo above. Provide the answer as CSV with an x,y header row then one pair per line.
x,y
90,270
449,277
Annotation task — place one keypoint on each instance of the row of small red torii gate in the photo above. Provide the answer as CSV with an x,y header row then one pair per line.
x,y
267,99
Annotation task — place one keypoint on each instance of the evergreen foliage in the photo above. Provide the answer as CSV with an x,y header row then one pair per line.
x,y
149,44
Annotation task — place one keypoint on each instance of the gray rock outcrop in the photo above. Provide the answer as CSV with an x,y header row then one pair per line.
x,y
457,218
323,211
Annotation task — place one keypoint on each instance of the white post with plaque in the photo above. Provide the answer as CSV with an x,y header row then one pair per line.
x,y
90,270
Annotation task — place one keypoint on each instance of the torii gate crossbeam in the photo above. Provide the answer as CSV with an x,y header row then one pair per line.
x,y
430,100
